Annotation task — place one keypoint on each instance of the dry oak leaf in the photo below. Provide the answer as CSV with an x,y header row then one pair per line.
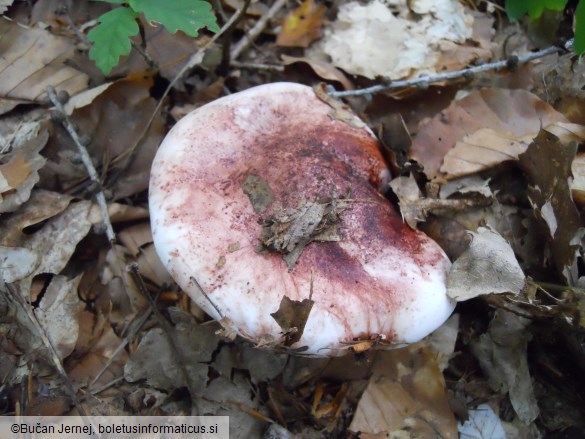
x,y
33,59
405,397
486,128
488,266
302,26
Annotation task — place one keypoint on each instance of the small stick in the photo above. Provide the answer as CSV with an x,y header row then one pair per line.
x,y
93,175
258,66
455,74
256,30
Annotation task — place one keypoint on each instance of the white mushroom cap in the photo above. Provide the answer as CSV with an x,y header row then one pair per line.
x,y
231,167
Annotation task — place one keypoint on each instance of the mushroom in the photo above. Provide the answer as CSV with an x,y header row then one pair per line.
x,y
265,209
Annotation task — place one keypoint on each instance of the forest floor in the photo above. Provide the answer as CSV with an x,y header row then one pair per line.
x,y
488,164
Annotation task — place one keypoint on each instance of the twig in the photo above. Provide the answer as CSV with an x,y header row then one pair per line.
x,y
256,30
86,159
258,66
226,42
135,326
202,291
513,61
17,298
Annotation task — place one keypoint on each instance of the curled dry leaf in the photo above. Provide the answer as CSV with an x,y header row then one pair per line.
x,y
36,60
484,129
324,69
488,266
502,356
408,193
302,26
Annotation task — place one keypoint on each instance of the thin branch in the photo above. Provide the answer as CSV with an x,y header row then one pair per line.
x,y
258,66
258,28
455,74
86,159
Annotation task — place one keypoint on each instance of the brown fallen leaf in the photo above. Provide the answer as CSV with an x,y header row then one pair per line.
x,y
324,69
547,164
405,397
302,26
292,316
483,129
503,357
114,119
58,314
20,172
36,60
488,266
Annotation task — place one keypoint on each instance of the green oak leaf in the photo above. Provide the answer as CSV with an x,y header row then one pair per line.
x,y
579,43
517,8
185,15
114,2
111,38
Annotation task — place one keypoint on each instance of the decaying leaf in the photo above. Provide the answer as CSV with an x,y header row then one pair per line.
x,y
17,263
4,5
292,316
488,266
409,194
405,397
339,110
19,172
486,128
369,40
502,355
166,360
115,120
324,69
547,164
42,205
289,231
302,26
58,314
483,423
36,60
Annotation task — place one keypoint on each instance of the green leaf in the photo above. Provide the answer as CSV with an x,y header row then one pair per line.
x,y
111,38
185,15
579,43
517,8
